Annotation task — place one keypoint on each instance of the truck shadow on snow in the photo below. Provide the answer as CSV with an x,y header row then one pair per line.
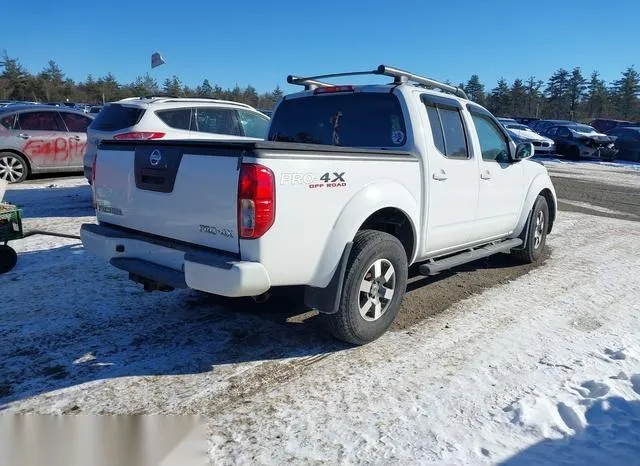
x,y
68,318
53,201
611,436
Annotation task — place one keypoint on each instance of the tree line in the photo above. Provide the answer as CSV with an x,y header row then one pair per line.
x,y
567,94
52,85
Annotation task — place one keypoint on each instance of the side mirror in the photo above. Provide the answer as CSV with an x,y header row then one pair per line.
x,y
524,150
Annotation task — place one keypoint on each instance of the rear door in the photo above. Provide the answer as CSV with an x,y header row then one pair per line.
x,y
501,181
77,136
452,177
44,138
215,122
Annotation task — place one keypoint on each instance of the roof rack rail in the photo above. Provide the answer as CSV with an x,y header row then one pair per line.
x,y
399,77
309,84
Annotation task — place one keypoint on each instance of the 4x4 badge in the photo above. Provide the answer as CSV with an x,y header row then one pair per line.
x,y
155,157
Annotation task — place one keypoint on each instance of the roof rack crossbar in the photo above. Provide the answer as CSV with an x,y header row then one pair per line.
x,y
399,77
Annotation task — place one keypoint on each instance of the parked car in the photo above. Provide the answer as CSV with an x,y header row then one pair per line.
x,y
95,109
540,126
354,184
582,141
627,141
526,120
603,125
506,120
522,133
157,118
40,139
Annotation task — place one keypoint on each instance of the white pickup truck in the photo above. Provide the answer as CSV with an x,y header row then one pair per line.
x,y
352,186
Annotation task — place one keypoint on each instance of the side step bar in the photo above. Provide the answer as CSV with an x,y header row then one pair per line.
x,y
436,266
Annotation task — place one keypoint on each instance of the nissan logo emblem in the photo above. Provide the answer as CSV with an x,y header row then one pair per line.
x,y
155,157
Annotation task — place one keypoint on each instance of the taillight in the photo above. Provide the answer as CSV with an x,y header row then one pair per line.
x,y
256,201
93,180
139,135
332,89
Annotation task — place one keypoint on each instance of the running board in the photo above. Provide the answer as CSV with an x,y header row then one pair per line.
x,y
436,266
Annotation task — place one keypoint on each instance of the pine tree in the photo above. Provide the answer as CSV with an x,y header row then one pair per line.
x,y
597,96
626,91
518,97
534,97
475,90
500,99
173,86
576,89
557,92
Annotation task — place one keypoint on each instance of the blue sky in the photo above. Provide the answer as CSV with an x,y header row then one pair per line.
x,y
260,42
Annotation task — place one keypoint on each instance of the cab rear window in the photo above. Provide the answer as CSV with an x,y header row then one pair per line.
x,y
352,120
115,117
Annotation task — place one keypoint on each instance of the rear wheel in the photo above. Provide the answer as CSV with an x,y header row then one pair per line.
x,y
375,283
536,233
13,167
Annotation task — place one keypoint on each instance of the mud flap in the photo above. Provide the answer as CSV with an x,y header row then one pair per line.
x,y
524,235
327,300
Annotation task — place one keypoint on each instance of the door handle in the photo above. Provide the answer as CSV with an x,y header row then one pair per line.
x,y
23,136
440,175
485,175
75,138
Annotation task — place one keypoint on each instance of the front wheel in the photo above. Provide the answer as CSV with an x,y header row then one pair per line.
x,y
374,285
536,237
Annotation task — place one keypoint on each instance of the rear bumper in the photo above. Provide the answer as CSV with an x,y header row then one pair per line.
x,y
174,264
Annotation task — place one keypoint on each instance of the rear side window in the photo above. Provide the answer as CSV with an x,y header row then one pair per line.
x,y
115,117
351,120
40,121
8,121
76,123
448,131
217,121
179,118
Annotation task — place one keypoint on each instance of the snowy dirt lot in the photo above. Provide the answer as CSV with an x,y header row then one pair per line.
x,y
492,363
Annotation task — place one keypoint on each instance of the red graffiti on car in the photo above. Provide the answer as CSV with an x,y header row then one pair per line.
x,y
59,149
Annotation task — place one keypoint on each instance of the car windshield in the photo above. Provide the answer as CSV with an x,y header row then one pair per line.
x,y
518,127
582,129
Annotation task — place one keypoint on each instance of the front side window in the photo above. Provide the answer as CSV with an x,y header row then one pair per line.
x,y
493,144
448,132
76,123
563,132
217,121
178,119
253,125
40,121
552,132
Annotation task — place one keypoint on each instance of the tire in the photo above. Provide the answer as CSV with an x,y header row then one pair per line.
x,y
13,167
574,153
363,316
8,258
536,233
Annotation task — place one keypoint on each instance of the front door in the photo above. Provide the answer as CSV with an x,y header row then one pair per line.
x,y
76,137
501,182
451,175
43,138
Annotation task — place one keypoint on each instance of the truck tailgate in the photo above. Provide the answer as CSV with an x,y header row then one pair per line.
x,y
173,191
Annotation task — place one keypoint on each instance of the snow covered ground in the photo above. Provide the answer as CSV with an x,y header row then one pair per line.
x,y
542,370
